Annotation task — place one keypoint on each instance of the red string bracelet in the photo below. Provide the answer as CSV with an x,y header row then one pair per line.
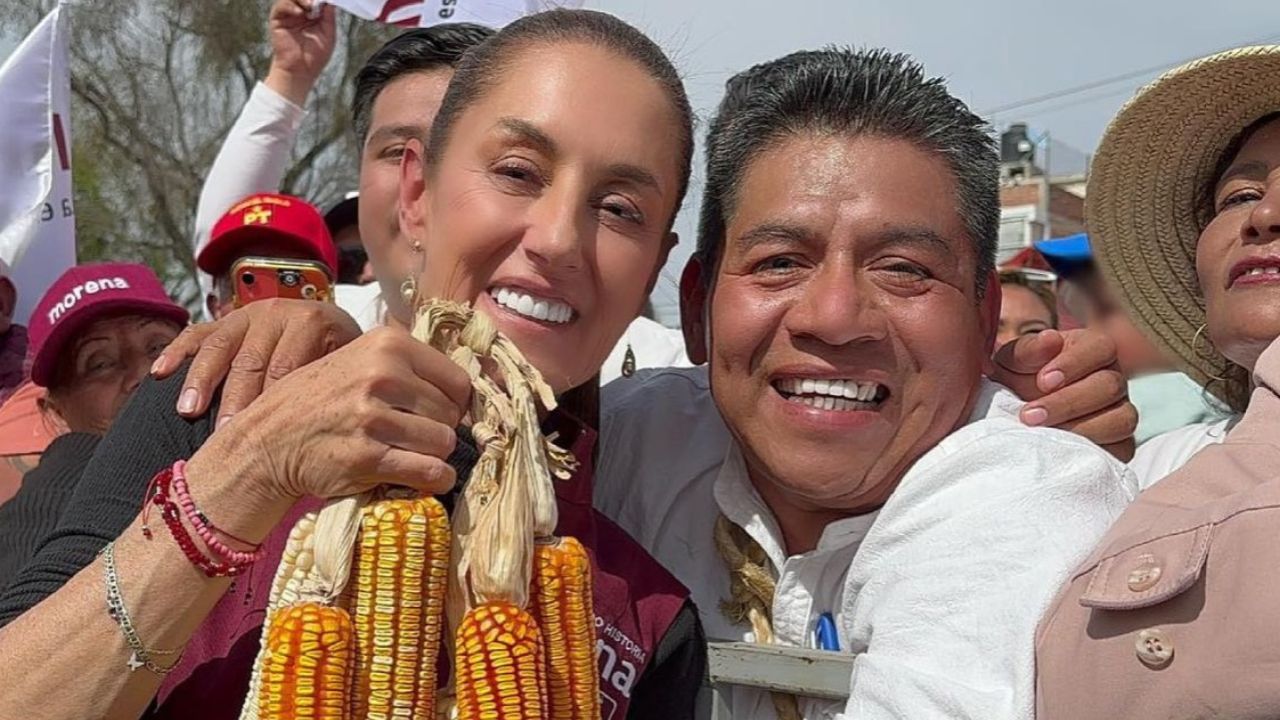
x,y
207,531
158,494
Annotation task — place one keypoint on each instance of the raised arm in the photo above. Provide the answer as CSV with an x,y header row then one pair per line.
x,y
255,154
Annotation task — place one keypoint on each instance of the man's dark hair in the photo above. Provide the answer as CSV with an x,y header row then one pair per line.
x,y
483,67
423,49
840,91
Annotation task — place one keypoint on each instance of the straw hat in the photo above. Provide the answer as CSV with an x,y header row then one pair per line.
x,y
1142,206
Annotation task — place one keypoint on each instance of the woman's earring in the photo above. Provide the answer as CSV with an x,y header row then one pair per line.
x,y
629,362
409,288
1195,347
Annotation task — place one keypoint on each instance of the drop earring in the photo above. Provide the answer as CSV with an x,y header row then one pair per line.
x,y
409,288
629,362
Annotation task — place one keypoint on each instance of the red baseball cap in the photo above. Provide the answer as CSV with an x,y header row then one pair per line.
x,y
86,293
282,219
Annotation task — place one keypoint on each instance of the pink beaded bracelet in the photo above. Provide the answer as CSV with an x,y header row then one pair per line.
x,y
205,530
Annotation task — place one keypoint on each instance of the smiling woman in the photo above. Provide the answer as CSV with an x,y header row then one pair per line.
x,y
558,159
561,213
1184,203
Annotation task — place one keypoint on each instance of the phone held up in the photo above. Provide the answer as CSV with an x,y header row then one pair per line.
x,y
259,278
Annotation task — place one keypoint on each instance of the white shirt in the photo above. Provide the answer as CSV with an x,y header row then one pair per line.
x,y
1162,454
939,592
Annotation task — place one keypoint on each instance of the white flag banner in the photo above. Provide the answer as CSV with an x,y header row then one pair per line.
x,y
37,222
425,13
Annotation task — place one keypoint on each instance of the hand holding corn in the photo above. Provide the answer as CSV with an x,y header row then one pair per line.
x,y
381,409
516,600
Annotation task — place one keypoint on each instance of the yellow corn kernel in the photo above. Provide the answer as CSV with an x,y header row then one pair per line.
x,y
402,565
306,673
498,670
561,605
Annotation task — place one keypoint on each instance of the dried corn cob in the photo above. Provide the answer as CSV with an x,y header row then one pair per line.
x,y
499,665
561,605
402,566
307,673
312,572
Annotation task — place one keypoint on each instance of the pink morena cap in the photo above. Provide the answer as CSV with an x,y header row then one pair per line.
x,y
86,293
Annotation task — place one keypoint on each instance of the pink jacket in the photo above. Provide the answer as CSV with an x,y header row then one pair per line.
x,y
1177,613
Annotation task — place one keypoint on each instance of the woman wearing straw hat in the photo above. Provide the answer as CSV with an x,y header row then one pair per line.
x,y
1174,615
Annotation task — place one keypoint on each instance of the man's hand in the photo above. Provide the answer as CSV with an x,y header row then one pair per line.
x,y
301,46
252,348
1072,382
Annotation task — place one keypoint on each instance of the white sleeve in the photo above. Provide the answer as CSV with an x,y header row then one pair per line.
x,y
253,158
949,586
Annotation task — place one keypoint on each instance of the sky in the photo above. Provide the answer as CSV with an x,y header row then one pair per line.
x,y
992,52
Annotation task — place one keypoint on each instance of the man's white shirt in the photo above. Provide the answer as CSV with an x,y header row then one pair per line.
x,y
938,593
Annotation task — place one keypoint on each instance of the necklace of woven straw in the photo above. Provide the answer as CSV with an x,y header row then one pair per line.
x,y
751,591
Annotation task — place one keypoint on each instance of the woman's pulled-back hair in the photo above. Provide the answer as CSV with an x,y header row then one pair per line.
x,y
839,91
483,66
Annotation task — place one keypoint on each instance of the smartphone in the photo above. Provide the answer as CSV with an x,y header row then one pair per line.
x,y
259,278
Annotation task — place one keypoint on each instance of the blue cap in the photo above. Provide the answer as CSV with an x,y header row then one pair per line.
x,y
1067,255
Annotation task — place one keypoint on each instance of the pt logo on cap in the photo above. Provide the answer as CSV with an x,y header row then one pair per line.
x,y
257,215
89,287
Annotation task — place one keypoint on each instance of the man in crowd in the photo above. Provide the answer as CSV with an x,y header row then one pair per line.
x,y
1166,399
863,472
343,221
397,94
266,225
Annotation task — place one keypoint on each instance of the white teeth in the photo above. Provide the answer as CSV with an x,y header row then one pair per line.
x,y
829,394
1263,271
537,308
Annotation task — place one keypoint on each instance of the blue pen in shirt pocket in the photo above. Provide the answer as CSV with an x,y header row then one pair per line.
x,y
825,635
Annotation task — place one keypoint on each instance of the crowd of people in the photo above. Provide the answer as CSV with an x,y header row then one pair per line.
x,y
1011,492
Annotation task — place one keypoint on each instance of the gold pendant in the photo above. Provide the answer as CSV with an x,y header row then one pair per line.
x,y
629,362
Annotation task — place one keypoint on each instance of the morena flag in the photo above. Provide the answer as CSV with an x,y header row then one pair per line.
x,y
425,13
37,222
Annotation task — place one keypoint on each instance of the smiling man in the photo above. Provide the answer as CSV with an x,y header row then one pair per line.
x,y
841,452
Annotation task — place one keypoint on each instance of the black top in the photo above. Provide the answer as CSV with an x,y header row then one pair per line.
x,y
149,434
34,511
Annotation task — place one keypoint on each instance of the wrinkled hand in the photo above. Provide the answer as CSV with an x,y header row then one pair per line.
x,y
380,410
251,349
301,46
1072,382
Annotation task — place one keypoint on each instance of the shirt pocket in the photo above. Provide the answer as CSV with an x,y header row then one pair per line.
x,y
1150,573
